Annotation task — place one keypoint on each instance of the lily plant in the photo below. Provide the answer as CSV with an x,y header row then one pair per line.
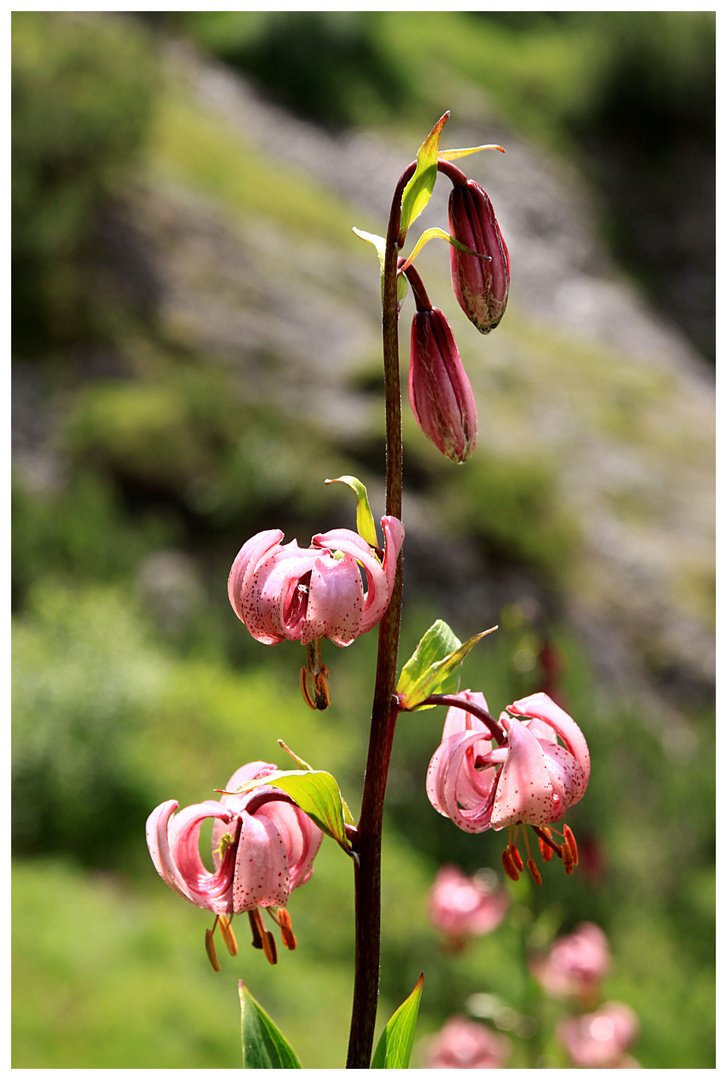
x,y
523,769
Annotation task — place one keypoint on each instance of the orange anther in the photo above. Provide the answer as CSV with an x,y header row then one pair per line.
x,y
209,945
509,865
286,929
546,850
516,857
228,935
571,842
534,872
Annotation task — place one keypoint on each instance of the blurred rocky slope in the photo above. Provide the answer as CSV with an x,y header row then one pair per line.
x,y
603,412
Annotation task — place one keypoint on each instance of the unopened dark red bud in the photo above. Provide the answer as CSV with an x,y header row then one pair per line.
x,y
481,285
439,390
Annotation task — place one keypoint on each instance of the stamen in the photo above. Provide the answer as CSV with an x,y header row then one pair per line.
x,y
269,947
257,928
545,837
508,865
228,935
546,850
568,860
516,857
286,928
209,945
304,687
571,842
534,872
319,697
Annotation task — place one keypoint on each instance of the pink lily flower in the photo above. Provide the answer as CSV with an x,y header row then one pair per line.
x,y
263,847
599,1040
529,780
575,965
465,1044
282,591
462,906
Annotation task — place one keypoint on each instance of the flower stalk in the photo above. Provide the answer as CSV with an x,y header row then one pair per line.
x,y
385,705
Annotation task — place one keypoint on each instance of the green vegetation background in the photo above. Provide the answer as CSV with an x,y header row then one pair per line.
x,y
127,691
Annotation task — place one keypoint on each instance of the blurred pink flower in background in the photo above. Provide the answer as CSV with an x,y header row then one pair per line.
x,y
575,964
465,1044
462,906
600,1039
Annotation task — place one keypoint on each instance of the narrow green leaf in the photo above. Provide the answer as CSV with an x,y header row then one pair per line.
x,y
379,243
298,760
438,676
452,155
364,518
317,794
419,189
428,234
394,1047
263,1046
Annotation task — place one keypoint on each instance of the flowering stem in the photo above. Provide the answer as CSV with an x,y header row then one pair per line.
x,y
385,706
471,707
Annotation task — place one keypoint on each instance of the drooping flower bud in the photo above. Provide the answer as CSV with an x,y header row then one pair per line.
x,y
481,285
439,390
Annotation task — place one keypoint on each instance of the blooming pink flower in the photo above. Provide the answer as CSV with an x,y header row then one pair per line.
x,y
462,906
575,964
263,847
599,1040
439,391
530,780
465,1044
284,591
480,285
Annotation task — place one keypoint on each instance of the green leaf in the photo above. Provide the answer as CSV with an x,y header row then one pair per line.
x,y
432,669
438,642
394,1047
263,1046
452,155
317,794
379,243
364,518
419,189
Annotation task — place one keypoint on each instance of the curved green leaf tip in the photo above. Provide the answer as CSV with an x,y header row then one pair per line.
x,y
419,189
433,666
397,1039
263,1046
364,518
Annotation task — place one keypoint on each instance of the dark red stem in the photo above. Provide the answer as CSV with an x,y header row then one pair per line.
x,y
385,705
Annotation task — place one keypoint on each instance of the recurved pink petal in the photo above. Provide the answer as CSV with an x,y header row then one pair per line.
x,y
335,600
275,601
545,709
261,877
247,559
449,784
302,838
524,788
174,847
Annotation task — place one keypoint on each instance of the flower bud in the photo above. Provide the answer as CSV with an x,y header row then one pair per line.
x,y
439,390
481,285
